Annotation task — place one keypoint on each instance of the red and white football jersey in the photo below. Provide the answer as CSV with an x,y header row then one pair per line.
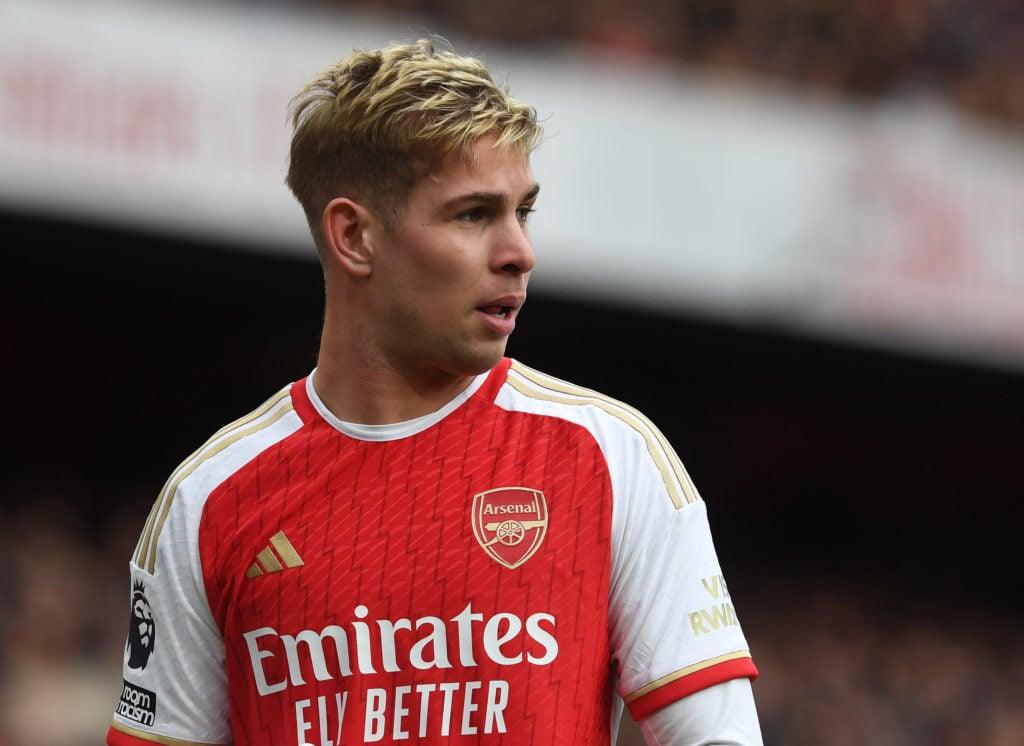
x,y
490,573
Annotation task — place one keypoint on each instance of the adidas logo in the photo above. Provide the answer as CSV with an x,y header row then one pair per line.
x,y
269,561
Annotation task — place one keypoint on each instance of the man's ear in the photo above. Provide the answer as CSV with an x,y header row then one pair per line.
x,y
345,226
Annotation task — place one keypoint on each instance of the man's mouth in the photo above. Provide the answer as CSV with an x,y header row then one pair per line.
x,y
499,311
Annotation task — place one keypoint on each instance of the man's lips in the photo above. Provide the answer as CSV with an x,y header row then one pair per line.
x,y
500,313
502,307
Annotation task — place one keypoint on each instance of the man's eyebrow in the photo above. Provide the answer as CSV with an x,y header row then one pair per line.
x,y
495,198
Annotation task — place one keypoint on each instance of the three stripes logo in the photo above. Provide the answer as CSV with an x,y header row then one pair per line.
x,y
275,557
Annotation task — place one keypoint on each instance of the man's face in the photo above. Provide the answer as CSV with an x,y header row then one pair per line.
x,y
449,280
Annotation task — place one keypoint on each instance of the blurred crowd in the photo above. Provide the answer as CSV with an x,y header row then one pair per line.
x,y
969,51
841,665
64,597
845,665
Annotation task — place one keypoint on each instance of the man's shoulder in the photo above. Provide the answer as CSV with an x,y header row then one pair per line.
x,y
237,443
186,492
613,422
627,437
549,393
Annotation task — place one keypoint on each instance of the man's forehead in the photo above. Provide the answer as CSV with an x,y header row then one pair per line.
x,y
485,168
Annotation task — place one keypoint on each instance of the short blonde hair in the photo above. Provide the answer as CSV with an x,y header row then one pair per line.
x,y
372,125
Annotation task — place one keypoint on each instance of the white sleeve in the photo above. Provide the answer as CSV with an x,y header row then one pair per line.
x,y
175,682
722,715
674,628
175,675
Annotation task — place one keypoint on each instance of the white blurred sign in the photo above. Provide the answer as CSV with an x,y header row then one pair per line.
x,y
902,225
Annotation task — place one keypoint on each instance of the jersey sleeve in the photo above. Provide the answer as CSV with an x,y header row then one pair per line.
x,y
672,624
175,677
674,628
175,685
722,714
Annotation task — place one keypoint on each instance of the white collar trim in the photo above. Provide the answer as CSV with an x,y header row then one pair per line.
x,y
396,430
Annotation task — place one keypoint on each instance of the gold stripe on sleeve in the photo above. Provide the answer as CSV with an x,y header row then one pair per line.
x,y
145,552
682,672
677,482
154,738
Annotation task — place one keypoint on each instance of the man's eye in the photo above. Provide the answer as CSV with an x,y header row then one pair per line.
x,y
523,213
472,215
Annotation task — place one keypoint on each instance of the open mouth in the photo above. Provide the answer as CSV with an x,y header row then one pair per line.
x,y
500,312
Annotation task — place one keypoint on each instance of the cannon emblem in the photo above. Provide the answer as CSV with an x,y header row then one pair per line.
x,y
510,523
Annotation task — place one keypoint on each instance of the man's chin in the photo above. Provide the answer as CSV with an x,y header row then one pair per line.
x,y
480,360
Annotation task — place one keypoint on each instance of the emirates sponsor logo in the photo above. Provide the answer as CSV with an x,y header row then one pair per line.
x,y
455,703
510,523
429,643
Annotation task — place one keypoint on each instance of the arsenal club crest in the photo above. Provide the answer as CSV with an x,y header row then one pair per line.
x,y
510,523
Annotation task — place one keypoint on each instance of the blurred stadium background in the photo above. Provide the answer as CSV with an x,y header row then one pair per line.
x,y
791,232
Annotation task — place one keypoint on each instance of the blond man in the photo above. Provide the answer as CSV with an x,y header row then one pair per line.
x,y
424,541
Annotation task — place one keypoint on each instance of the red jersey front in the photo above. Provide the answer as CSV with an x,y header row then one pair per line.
x,y
305,581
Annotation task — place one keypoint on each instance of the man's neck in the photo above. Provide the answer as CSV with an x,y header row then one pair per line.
x,y
371,395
